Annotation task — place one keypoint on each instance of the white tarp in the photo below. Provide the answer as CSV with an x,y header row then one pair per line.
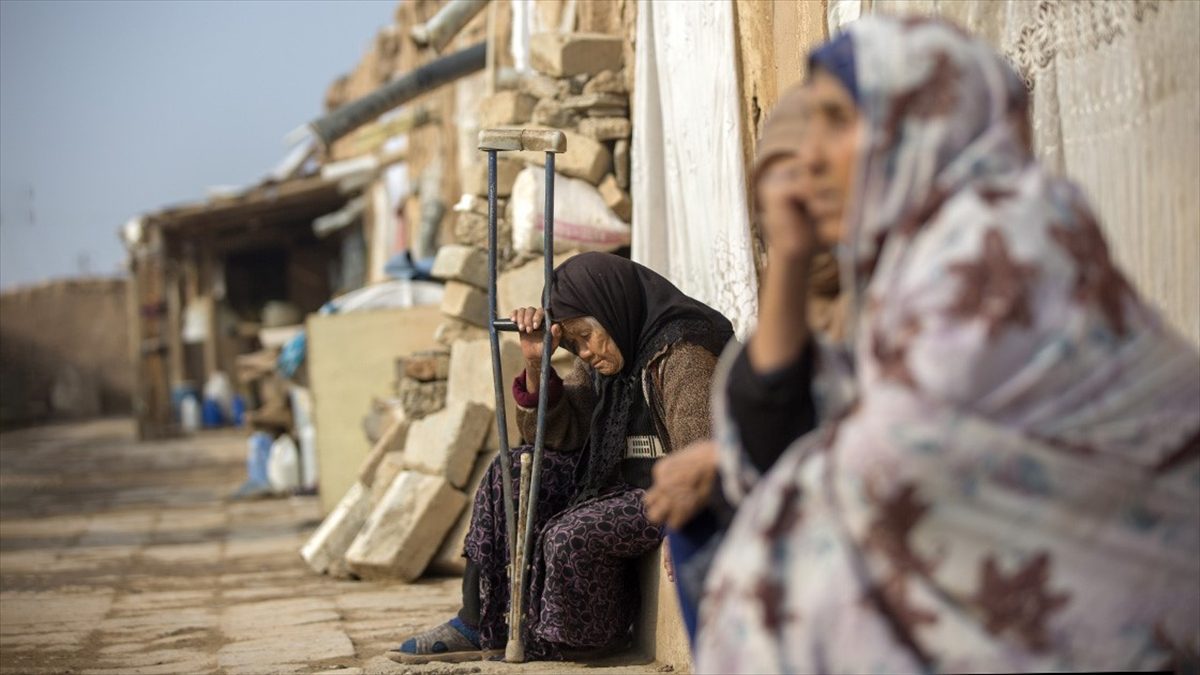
x,y
690,217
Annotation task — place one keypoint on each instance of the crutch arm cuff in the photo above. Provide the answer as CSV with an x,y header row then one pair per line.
x,y
525,399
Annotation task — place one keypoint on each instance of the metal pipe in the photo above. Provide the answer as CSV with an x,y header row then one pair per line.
x,y
450,19
535,480
510,519
430,76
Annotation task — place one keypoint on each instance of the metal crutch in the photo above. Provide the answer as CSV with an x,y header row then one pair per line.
x,y
520,544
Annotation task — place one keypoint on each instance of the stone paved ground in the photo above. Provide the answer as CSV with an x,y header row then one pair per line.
x,y
125,557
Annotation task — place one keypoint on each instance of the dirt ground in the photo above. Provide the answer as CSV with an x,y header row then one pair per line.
x,y
126,557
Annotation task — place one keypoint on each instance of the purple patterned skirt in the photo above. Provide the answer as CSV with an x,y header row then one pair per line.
x,y
583,589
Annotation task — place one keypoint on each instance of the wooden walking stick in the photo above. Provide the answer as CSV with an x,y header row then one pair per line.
x,y
525,514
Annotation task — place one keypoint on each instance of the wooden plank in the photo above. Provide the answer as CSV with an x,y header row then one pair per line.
x,y
351,358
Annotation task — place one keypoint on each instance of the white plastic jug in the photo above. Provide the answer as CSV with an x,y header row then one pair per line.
x,y
308,457
189,414
283,467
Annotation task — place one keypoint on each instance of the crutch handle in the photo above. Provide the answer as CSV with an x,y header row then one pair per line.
x,y
517,138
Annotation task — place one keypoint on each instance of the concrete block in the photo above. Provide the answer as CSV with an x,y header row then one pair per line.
x,y
471,380
393,439
505,108
552,113
418,399
606,128
446,442
616,198
540,86
389,467
621,163
465,302
424,366
449,559
329,543
606,82
585,102
474,179
456,262
406,528
453,330
585,159
566,55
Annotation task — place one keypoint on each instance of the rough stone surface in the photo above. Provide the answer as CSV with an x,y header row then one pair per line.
x,y
505,108
406,528
449,558
521,286
453,330
606,128
585,159
606,82
566,55
471,380
446,442
393,438
426,366
616,198
541,86
474,179
389,467
621,163
471,228
329,543
586,102
458,262
465,302
552,113
418,399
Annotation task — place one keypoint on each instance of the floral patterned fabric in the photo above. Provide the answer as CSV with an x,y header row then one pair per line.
x,y
1006,476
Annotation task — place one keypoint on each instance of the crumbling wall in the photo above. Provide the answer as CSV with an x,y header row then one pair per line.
x,y
64,351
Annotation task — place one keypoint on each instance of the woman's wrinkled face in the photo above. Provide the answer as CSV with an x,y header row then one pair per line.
x,y
587,339
830,152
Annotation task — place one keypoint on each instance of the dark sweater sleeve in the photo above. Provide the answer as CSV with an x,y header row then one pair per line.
x,y
771,409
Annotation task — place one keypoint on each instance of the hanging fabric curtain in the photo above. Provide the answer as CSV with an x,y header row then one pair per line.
x,y
690,217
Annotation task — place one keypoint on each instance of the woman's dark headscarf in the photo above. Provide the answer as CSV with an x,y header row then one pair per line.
x,y
643,313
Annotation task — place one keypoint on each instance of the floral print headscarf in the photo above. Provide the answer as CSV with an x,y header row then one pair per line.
x,y
1006,476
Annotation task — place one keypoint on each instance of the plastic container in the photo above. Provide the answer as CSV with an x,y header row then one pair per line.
x,y
238,416
210,414
258,454
283,467
308,457
189,414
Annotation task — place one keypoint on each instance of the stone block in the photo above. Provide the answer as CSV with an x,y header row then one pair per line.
x,y
446,442
521,286
471,229
471,380
474,179
607,111
465,302
540,86
616,198
458,262
393,439
551,113
606,128
621,163
585,159
570,54
449,559
418,399
453,330
505,108
406,528
585,102
424,366
606,82
390,467
329,543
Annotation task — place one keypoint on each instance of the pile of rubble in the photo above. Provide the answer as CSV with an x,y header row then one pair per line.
x,y
434,439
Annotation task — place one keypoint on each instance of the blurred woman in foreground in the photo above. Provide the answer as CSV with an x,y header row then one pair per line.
x,y
1005,474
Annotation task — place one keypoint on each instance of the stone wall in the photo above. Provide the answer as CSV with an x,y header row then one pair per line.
x,y
64,351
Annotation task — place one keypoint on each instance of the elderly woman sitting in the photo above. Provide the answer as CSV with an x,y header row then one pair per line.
x,y
646,354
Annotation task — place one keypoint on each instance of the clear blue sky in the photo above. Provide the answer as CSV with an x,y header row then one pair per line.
x,y
111,109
